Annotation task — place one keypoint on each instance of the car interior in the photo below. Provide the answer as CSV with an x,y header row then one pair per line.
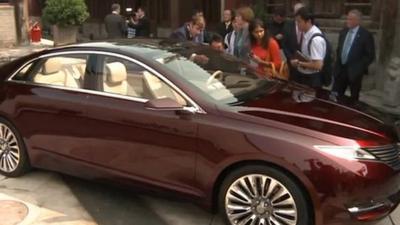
x,y
116,76
124,79
59,71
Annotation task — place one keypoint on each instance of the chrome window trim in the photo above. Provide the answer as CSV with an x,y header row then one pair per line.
x,y
197,108
80,90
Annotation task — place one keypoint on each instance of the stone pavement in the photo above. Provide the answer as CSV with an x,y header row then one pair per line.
x,y
53,199
8,54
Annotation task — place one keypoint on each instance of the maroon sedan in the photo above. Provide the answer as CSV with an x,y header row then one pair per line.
x,y
258,150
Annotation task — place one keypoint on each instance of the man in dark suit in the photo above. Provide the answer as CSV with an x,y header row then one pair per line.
x,y
276,26
225,26
355,52
143,25
189,31
291,40
115,23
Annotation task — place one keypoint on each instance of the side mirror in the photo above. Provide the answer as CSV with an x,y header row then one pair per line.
x,y
166,104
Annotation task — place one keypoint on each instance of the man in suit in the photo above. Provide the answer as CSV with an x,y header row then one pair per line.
x,y
355,52
276,25
225,26
143,25
189,31
292,40
115,24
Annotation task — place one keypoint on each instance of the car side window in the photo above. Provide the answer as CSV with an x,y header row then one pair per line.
x,y
65,71
126,78
22,73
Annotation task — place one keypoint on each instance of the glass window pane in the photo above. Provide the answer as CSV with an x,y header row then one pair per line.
x,y
66,71
123,77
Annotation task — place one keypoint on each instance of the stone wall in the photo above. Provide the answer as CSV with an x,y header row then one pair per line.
x,y
391,86
8,34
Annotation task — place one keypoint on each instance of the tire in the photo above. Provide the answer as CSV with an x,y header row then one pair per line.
x,y
14,160
240,204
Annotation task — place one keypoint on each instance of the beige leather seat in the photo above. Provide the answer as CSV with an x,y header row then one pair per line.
x,y
51,73
159,89
115,81
54,73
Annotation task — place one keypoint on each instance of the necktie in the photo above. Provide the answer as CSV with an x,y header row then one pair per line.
x,y
236,44
346,46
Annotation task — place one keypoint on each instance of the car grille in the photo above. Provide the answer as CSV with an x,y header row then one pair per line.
x,y
388,154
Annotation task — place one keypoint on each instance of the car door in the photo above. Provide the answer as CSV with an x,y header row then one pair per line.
x,y
49,107
153,146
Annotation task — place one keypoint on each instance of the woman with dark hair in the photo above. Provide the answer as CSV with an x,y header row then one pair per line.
x,y
264,48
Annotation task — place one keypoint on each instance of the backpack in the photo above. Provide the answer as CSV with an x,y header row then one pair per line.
x,y
327,69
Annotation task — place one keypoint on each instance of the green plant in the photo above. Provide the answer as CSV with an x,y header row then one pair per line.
x,y
65,12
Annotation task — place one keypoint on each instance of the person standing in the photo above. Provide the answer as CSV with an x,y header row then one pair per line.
x,y
314,50
132,22
291,40
115,23
355,52
277,24
225,26
242,47
230,38
143,25
264,48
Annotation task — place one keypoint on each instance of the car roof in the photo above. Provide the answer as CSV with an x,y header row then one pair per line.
x,y
146,49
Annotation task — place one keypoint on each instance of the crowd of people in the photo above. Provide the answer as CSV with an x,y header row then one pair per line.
x,y
297,44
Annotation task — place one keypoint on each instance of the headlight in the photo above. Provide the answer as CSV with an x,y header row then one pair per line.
x,y
345,152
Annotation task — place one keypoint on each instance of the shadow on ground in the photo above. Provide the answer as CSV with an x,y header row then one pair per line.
x,y
109,205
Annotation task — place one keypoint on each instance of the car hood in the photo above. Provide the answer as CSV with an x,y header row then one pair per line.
x,y
296,105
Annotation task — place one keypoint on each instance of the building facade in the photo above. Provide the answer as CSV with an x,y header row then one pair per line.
x,y
8,26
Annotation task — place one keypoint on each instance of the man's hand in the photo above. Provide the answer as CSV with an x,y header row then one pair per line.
x,y
294,62
201,59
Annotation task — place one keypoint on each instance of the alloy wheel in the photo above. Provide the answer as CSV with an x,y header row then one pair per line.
x,y
9,149
258,199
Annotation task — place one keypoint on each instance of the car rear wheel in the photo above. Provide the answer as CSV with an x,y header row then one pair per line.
x,y
260,195
14,160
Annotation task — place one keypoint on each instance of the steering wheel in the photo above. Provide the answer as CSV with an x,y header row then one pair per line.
x,y
213,76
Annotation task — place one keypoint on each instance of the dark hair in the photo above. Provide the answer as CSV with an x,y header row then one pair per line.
x,y
279,11
217,38
196,10
305,14
252,26
141,8
115,7
232,13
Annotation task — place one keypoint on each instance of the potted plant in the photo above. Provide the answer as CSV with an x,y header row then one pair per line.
x,y
65,16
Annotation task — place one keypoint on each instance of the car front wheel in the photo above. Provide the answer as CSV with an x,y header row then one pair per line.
x,y
261,195
13,158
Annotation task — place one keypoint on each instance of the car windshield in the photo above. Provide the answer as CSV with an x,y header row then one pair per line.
x,y
219,76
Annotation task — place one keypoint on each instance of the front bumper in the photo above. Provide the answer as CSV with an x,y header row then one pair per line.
x,y
374,210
